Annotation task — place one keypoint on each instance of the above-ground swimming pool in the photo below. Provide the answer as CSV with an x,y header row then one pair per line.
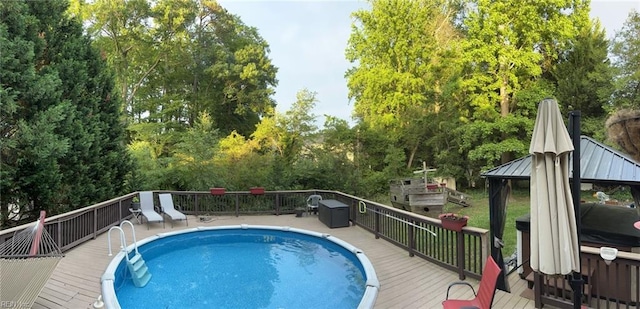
x,y
244,267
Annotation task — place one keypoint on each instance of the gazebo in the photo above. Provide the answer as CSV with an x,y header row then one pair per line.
x,y
599,164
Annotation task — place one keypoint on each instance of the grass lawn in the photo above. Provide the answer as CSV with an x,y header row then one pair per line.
x,y
517,206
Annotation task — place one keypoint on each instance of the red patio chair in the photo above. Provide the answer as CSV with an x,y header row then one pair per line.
x,y
487,289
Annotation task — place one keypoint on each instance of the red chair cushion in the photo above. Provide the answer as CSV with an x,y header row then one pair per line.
x,y
458,304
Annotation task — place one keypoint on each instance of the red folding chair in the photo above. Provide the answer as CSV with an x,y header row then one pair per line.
x,y
487,289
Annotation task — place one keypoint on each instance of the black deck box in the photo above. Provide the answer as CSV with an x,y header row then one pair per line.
x,y
333,213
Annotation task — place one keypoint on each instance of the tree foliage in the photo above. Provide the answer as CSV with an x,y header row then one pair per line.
x,y
289,137
189,73
62,139
404,53
509,45
451,83
584,79
176,59
626,54
584,76
464,99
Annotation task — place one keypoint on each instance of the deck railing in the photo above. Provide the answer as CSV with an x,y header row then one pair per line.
x,y
75,227
613,285
463,252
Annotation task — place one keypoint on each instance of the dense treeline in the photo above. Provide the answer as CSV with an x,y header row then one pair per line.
x,y
456,83
62,141
453,83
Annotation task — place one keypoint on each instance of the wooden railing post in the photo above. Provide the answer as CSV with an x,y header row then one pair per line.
x,y
376,225
353,211
411,234
460,255
95,221
277,204
237,205
537,289
59,228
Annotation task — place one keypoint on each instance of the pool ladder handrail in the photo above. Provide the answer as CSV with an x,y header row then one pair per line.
x,y
137,266
123,240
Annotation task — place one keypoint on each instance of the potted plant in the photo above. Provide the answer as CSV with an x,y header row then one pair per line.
x,y
135,203
299,211
454,222
217,191
256,190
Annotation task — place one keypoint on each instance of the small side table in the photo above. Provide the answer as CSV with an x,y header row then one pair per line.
x,y
136,214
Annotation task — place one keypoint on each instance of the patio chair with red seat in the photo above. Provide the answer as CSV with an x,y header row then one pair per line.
x,y
487,289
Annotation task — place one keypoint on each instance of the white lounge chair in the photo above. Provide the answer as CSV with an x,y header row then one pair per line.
x,y
166,202
147,208
313,201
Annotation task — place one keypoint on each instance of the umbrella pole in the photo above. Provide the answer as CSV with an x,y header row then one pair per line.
x,y
574,129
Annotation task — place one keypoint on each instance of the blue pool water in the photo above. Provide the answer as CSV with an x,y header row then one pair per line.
x,y
244,268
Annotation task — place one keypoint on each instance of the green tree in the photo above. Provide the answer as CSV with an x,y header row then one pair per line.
x,y
121,32
192,163
583,75
176,59
584,78
298,123
509,45
626,56
289,137
243,165
238,78
404,56
62,142
340,144
98,154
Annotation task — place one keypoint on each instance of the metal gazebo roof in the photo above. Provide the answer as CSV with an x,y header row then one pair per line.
x,y
598,164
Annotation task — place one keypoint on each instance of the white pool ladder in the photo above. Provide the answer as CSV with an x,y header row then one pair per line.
x,y
137,267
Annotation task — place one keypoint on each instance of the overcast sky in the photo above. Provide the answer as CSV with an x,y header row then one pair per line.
x,y
308,40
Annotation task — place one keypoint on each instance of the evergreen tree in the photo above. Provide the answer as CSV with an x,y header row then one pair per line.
x,y
583,77
62,141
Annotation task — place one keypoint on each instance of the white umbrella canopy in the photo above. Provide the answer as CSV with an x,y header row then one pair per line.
x,y
554,235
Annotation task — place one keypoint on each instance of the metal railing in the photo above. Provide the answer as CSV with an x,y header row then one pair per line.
x,y
463,252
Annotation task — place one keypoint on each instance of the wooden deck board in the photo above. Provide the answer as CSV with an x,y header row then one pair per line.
x,y
406,282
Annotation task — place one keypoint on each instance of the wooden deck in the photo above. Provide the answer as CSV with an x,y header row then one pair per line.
x,y
406,282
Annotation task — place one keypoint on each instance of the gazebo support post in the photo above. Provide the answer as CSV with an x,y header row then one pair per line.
x,y
574,130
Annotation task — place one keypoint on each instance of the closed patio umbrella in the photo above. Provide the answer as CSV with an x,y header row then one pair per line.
x,y
554,239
